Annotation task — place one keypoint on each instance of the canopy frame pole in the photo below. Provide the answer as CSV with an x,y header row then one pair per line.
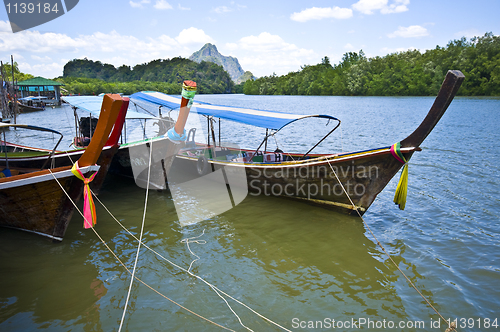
x,y
90,126
265,145
208,131
321,140
52,152
264,140
5,150
16,107
274,133
213,132
76,123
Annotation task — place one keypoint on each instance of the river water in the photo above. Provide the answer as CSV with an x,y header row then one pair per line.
x,y
300,266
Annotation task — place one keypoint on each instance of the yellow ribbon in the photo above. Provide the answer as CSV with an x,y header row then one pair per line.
x,y
402,188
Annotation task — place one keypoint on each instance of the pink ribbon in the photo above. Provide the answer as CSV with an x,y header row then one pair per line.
x,y
89,214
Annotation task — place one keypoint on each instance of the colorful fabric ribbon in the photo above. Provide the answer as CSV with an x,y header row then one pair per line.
x,y
188,92
89,214
402,188
176,138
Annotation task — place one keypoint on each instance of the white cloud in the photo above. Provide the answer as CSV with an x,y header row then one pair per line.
x,y
413,31
162,5
222,9
5,26
231,46
183,8
264,42
46,53
386,50
225,9
139,3
348,47
266,52
193,35
43,69
464,33
99,46
316,13
41,59
369,6
398,6
35,42
135,4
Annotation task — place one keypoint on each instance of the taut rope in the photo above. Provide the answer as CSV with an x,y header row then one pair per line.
x,y
451,326
127,269
140,240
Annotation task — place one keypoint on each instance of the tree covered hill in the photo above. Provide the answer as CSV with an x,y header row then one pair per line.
x,y
409,73
166,74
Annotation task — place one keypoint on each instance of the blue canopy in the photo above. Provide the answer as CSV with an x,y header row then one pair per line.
x,y
93,105
259,118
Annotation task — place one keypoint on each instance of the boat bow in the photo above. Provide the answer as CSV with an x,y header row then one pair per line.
x,y
449,89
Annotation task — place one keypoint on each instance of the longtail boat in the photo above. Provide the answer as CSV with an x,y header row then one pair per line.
x,y
121,163
116,154
20,156
34,201
31,104
348,182
131,159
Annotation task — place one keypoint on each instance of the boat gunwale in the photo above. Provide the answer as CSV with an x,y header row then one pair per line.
x,y
43,175
57,153
331,158
145,140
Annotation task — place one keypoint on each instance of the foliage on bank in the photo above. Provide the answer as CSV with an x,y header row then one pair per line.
x,y
18,75
409,73
93,77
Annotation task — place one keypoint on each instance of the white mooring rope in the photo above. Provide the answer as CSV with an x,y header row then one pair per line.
x,y
215,288
140,239
123,264
451,326
187,241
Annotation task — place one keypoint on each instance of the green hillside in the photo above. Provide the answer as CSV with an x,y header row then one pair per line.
x,y
93,77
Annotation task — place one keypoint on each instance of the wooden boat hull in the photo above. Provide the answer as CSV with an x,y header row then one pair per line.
x,y
28,109
37,204
315,181
34,201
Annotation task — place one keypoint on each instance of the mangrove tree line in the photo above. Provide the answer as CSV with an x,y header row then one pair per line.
x,y
409,73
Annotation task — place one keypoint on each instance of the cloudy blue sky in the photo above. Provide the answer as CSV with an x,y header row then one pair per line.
x,y
266,36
